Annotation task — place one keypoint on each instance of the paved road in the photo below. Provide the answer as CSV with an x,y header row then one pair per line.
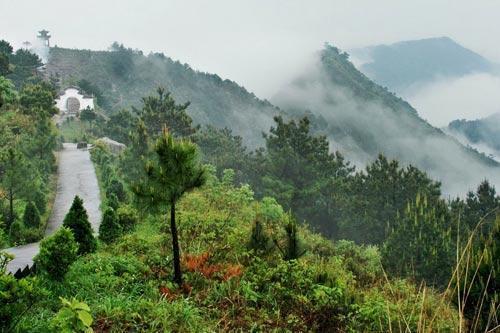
x,y
76,176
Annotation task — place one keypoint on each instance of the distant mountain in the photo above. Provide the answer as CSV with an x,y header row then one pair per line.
x,y
363,119
401,65
123,76
483,134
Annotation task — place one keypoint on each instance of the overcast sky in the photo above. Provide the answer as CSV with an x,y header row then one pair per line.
x,y
260,43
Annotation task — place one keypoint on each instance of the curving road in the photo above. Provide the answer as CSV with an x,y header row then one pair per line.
x,y
76,176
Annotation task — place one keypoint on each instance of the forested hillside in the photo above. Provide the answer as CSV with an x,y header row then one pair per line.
x,y
483,132
401,65
122,76
363,119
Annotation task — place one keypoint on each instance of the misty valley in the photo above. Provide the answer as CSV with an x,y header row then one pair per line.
x,y
138,194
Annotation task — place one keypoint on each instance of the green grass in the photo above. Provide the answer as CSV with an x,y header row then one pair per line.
x,y
73,130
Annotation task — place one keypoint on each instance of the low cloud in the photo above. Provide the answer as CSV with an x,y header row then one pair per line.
x,y
469,97
362,129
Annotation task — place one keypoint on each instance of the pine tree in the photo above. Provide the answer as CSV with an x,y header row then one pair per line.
x,y
110,229
162,110
31,218
259,240
78,222
172,172
420,245
293,248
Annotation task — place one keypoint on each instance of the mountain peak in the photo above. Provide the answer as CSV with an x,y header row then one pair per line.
x,y
401,65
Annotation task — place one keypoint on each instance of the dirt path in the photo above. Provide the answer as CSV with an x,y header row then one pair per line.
x,y
76,176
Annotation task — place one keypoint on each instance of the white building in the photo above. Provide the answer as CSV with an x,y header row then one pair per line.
x,y
71,101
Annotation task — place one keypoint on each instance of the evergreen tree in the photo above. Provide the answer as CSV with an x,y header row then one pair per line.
x,y
110,229
301,173
17,177
112,201
38,100
115,187
222,149
162,110
259,242
378,195
57,253
17,231
31,218
480,205
420,244
120,125
293,248
78,222
172,172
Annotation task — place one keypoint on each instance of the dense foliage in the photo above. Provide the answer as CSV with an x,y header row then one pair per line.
x,y
27,143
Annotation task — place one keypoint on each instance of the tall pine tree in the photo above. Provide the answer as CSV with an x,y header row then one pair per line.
x,y
172,171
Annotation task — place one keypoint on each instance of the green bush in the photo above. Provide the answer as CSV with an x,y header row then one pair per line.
x,y
16,296
39,199
31,217
109,229
112,201
17,232
364,262
78,222
57,253
116,187
127,218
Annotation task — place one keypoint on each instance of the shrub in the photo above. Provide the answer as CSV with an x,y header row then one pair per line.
x,y
127,218
110,229
363,261
16,296
57,253
116,187
40,202
74,316
31,218
16,232
78,222
112,201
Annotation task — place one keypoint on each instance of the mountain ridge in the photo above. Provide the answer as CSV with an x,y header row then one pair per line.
x,y
401,65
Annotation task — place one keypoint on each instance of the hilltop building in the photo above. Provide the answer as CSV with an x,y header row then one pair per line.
x,y
71,101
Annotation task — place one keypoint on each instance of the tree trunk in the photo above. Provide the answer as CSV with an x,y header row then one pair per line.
x,y
11,209
175,246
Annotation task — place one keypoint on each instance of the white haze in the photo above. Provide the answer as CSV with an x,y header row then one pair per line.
x,y
441,156
39,48
445,99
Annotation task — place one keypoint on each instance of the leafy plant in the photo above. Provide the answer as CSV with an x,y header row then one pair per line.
x,y
74,316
